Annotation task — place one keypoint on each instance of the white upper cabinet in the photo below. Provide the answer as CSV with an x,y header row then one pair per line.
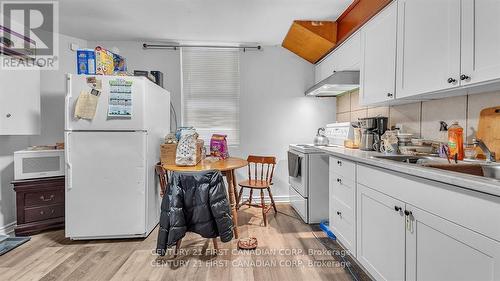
x,y
20,102
347,56
323,69
344,57
441,46
428,46
480,41
378,57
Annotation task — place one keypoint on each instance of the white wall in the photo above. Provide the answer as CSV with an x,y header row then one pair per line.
x,y
53,90
8,144
52,113
274,111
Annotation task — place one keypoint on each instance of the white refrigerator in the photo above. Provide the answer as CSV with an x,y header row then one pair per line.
x,y
111,187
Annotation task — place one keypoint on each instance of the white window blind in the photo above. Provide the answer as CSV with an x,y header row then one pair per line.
x,y
211,92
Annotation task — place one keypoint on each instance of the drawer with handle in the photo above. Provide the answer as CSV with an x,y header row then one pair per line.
x,y
44,198
343,189
43,213
343,224
343,167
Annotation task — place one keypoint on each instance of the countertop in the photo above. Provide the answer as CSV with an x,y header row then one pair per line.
x,y
477,183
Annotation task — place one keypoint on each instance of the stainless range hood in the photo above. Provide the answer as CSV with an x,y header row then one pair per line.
x,y
336,84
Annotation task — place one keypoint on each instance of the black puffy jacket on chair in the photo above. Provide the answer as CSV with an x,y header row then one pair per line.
x,y
196,202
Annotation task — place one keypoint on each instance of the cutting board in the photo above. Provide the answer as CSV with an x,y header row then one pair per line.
x,y
489,129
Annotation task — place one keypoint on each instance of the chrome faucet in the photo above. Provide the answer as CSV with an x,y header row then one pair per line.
x,y
490,156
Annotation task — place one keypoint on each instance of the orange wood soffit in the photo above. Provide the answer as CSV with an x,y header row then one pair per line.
x,y
357,14
311,40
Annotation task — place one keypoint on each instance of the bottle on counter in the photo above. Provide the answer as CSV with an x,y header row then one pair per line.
x,y
456,141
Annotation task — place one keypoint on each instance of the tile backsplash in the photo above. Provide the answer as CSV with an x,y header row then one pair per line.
x,y
422,118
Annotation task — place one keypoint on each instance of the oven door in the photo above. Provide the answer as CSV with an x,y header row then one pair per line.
x,y
299,182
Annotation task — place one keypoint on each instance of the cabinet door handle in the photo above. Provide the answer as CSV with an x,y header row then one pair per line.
x,y
339,180
389,95
397,208
452,80
464,77
52,211
409,221
339,213
339,163
52,196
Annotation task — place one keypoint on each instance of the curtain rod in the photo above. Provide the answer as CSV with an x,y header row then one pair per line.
x,y
175,47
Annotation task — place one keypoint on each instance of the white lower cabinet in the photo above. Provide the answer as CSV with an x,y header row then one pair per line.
x,y
437,249
342,208
380,234
420,230
343,225
404,228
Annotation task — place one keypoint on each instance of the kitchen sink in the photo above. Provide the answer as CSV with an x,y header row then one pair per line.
x,y
482,170
492,171
404,158
471,169
475,168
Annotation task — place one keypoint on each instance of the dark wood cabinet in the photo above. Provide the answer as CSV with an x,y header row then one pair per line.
x,y
39,205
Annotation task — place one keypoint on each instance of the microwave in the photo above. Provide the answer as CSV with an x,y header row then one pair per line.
x,y
30,164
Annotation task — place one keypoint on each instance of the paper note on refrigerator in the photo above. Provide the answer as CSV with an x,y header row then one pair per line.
x,y
86,105
120,98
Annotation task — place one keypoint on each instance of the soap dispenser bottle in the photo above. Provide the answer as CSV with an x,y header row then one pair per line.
x,y
456,141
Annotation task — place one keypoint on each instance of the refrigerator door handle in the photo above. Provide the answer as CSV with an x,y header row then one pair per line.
x,y
67,101
68,161
68,176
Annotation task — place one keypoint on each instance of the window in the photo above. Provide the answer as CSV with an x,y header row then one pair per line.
x,y
211,92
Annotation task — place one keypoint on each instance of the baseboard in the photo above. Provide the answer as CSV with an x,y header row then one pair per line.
x,y
8,229
277,199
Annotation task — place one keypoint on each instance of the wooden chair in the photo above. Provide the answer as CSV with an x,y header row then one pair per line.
x,y
261,178
163,178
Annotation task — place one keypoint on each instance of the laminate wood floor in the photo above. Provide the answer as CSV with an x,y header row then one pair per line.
x,y
288,250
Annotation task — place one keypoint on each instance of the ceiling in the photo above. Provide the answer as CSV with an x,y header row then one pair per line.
x,y
230,21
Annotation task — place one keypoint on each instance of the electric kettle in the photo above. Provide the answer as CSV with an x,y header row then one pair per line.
x,y
320,139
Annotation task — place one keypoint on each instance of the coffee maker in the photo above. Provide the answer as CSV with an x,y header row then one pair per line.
x,y
372,129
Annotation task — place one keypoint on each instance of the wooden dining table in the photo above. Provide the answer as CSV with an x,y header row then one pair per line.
x,y
227,167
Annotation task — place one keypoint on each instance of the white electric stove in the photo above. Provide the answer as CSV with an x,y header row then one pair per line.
x,y
309,188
